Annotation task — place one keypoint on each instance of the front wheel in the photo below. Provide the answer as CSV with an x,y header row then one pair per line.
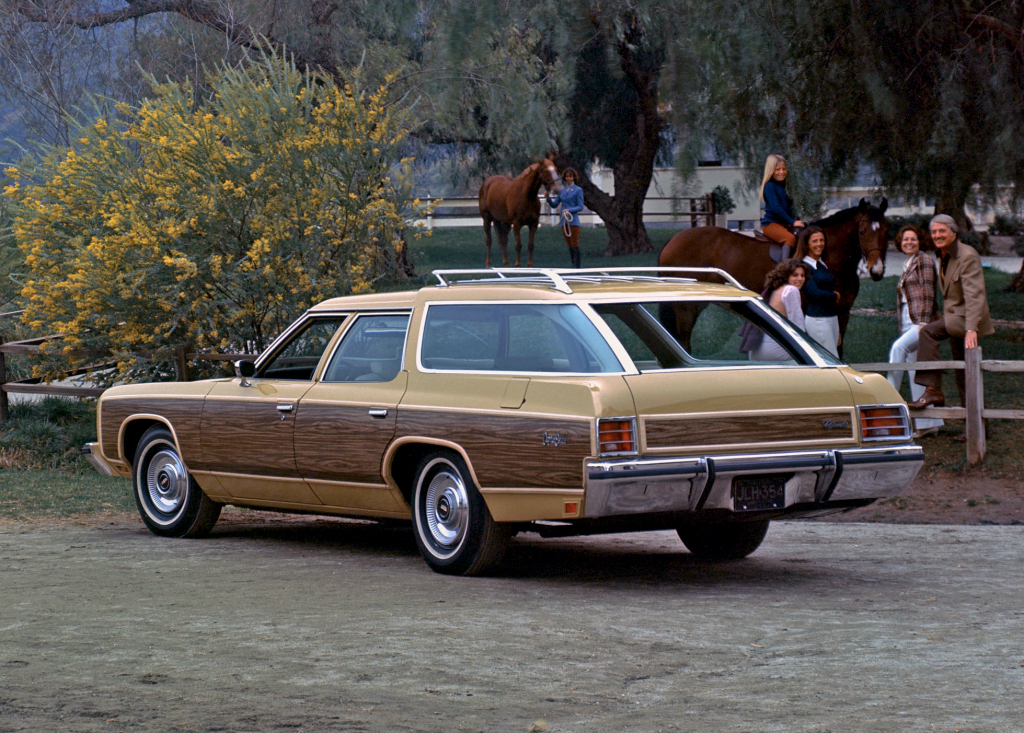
x,y
170,501
732,541
453,527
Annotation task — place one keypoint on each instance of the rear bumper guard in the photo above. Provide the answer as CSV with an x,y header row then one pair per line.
x,y
92,453
822,477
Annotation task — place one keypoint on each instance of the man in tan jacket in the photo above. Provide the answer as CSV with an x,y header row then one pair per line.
x,y
964,309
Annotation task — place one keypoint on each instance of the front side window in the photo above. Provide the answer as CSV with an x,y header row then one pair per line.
x,y
505,337
731,333
370,351
299,357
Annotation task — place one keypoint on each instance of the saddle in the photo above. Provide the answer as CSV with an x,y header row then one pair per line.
x,y
774,248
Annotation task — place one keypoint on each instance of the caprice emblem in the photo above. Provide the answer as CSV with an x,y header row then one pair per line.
x,y
835,424
555,439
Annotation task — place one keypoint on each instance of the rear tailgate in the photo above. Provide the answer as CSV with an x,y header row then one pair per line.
x,y
690,411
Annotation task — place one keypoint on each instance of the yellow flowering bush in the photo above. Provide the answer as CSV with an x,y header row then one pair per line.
x,y
210,223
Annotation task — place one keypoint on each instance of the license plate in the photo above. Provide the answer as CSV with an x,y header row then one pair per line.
x,y
757,493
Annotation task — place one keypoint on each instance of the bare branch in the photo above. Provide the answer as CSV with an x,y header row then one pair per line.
x,y
197,11
1014,35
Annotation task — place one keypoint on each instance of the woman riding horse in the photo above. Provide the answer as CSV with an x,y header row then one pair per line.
x,y
779,220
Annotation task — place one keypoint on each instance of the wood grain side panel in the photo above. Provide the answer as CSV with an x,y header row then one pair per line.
x,y
341,443
508,450
182,413
743,429
248,437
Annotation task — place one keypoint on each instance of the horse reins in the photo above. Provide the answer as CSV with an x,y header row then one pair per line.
x,y
566,223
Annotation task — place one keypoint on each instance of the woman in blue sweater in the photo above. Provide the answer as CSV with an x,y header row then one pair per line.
x,y
778,221
571,199
821,319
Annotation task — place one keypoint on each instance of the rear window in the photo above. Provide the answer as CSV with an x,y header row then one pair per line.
x,y
733,333
544,337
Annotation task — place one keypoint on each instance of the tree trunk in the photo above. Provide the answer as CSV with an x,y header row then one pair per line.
x,y
622,213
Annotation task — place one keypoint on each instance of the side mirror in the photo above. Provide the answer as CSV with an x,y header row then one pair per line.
x,y
244,368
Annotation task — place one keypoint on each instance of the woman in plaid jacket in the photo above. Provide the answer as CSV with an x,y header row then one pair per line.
x,y
915,307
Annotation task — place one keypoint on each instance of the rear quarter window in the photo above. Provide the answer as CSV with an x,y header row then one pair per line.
x,y
543,337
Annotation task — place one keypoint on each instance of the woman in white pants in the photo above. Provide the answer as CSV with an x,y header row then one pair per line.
x,y
915,307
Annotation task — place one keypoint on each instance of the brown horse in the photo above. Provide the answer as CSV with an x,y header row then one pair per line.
x,y
512,204
852,234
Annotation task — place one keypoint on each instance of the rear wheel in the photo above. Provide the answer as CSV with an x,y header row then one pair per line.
x,y
454,530
170,501
732,541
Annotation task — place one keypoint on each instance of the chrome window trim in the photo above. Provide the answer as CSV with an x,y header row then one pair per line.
x,y
353,317
590,315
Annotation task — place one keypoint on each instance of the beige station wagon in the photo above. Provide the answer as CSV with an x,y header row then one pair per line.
x,y
559,402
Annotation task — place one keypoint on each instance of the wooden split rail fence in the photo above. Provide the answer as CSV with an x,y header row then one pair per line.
x,y
973,412
698,210
34,385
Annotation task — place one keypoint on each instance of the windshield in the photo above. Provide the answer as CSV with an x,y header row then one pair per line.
x,y
702,334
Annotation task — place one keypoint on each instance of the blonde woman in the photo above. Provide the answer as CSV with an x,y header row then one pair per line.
x,y
779,220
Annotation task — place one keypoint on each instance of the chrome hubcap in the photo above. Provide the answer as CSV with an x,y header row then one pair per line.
x,y
166,482
447,509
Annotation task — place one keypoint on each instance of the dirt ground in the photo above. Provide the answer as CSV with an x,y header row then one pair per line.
x,y
309,624
944,498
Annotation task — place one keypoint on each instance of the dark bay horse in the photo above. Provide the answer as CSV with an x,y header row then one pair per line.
x,y
852,234
512,203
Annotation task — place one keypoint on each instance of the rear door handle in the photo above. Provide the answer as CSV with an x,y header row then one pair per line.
x,y
379,414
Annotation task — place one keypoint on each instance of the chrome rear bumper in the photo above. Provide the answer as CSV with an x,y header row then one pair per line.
x,y
815,479
92,453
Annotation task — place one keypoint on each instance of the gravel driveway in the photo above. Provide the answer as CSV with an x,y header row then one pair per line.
x,y
320,625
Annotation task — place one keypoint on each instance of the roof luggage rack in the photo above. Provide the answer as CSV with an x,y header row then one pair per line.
x,y
559,277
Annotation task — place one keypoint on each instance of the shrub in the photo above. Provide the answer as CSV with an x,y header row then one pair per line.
x,y
48,433
1007,225
723,200
211,223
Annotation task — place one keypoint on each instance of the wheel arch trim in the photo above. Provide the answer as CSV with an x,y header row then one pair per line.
x,y
149,417
393,448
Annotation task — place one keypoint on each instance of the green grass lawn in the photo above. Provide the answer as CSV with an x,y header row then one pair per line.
x,y
26,494
46,475
463,247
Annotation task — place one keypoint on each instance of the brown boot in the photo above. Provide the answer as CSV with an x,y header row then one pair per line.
x,y
932,397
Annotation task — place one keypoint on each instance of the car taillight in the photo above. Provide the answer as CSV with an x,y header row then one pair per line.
x,y
616,435
884,422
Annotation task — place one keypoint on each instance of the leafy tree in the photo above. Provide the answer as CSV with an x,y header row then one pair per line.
x,y
592,74
929,92
509,80
211,223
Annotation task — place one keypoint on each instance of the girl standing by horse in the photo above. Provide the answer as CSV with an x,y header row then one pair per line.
x,y
779,221
821,321
571,199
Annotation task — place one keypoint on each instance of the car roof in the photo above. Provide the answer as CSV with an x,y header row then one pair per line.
x,y
553,284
